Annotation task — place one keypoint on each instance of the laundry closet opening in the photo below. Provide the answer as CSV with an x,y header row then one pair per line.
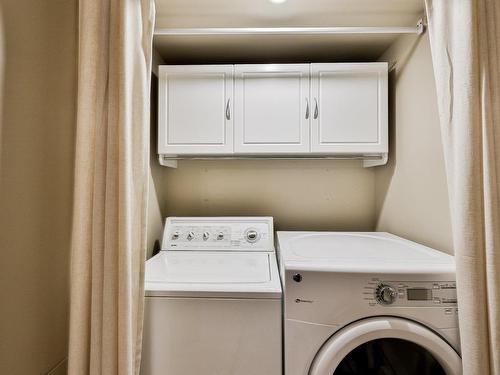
x,y
304,194
213,157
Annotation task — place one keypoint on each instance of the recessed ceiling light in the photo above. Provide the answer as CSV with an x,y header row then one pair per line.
x,y
277,1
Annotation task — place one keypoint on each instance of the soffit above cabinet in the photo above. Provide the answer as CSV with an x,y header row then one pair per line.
x,y
279,48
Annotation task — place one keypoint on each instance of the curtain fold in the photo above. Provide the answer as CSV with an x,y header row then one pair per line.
x,y
111,185
465,37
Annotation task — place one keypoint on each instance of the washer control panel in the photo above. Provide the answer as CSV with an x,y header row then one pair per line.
x,y
215,234
410,293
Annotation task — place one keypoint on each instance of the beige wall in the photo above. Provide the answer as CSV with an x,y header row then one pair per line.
x,y
408,197
156,197
38,100
411,191
301,195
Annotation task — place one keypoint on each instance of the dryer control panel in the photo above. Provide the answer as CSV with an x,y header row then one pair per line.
x,y
218,234
411,293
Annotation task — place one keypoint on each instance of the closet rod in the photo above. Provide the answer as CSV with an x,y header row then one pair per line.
x,y
418,29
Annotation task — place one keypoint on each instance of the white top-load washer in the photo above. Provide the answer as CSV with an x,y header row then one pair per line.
x,y
213,299
367,303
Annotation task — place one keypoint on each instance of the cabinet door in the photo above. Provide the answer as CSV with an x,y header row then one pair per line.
x,y
349,108
195,109
271,109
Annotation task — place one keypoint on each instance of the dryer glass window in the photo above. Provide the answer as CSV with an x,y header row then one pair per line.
x,y
389,357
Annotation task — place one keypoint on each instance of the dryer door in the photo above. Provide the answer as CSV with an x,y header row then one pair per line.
x,y
388,346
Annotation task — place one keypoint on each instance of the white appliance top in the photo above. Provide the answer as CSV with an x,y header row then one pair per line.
x,y
359,252
209,268
215,257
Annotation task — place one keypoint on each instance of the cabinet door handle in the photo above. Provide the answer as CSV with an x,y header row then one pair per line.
x,y
307,108
228,109
315,109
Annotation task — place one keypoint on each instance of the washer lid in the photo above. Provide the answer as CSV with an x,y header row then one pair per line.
x,y
358,251
189,273
209,268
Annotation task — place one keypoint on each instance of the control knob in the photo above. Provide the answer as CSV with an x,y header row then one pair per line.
x,y
175,235
252,235
220,236
190,235
206,236
385,294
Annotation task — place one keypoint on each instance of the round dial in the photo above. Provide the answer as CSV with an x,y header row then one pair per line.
x,y
251,235
190,235
385,294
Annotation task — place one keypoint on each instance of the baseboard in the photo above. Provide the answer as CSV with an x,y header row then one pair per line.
x,y
60,368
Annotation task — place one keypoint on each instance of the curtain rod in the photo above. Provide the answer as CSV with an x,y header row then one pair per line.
x,y
418,29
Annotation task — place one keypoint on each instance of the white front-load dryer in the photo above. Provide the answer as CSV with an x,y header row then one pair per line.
x,y
367,303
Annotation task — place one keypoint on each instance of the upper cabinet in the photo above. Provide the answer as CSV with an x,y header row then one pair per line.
x,y
349,108
271,109
303,110
195,109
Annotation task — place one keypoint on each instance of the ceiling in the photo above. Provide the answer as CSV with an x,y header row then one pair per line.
x,y
292,13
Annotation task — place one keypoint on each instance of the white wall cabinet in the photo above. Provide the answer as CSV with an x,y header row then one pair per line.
x,y
195,110
303,110
349,108
271,109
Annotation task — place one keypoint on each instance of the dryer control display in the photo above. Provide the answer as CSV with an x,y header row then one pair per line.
x,y
419,294
400,293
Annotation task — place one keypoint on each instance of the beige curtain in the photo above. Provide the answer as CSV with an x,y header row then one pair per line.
x,y
109,221
465,41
